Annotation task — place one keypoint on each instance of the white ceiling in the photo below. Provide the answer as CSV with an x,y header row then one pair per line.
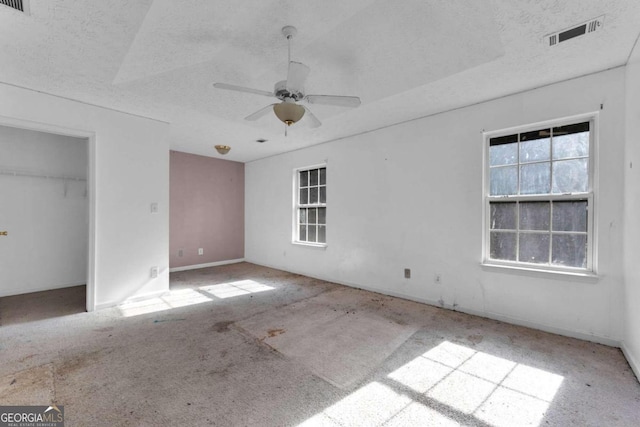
x,y
407,59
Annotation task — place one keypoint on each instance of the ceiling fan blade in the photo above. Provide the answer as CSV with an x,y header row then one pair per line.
x,y
242,89
296,76
342,101
261,112
314,120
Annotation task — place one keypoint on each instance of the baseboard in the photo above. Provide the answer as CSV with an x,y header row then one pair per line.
x,y
542,327
104,305
633,362
148,295
135,298
209,264
9,293
494,316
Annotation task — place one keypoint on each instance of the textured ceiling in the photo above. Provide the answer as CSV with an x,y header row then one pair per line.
x,y
158,58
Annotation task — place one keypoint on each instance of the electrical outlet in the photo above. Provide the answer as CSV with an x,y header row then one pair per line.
x,y
437,278
154,272
180,253
200,251
154,208
407,273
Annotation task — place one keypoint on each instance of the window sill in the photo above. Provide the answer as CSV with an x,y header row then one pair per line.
x,y
587,276
310,245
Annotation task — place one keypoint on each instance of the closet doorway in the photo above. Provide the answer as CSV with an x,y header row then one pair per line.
x,y
44,224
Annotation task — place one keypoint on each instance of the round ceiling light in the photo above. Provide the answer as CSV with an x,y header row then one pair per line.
x,y
223,149
288,112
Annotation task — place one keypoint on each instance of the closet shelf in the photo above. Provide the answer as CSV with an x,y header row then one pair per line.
x,y
40,175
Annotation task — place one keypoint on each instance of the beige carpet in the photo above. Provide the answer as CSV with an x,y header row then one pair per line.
x,y
190,360
342,346
30,385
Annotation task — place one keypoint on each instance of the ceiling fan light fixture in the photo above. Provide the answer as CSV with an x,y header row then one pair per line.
x,y
222,149
288,112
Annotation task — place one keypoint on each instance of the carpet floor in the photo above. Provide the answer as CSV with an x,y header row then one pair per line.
x,y
244,345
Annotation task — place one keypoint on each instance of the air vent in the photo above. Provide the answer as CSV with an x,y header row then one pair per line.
x,y
21,5
577,31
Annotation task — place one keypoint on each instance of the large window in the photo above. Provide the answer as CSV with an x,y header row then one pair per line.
x,y
539,199
311,205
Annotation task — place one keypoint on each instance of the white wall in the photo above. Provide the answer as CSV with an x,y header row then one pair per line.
x,y
411,196
46,219
129,169
631,343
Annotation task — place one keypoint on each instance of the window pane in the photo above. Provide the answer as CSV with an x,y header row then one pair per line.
x,y
311,192
311,233
322,215
322,234
534,248
535,150
570,250
304,179
503,246
535,215
575,145
313,195
503,216
570,176
505,154
304,196
504,180
570,216
313,177
535,178
571,141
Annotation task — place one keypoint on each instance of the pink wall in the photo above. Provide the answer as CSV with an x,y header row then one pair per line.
x,y
207,209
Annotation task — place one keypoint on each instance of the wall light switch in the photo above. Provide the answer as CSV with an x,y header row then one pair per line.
x,y
407,273
154,208
200,251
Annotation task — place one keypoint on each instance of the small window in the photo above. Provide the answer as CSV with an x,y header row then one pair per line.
x,y
539,199
311,206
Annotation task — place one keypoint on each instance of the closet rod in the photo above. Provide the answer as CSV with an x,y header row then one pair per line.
x,y
37,175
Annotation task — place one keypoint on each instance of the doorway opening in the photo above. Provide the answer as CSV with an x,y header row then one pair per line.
x,y
46,222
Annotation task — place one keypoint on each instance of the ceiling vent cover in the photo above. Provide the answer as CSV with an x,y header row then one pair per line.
x,y
579,30
21,5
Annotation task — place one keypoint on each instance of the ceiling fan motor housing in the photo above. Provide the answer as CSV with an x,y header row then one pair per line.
x,y
281,92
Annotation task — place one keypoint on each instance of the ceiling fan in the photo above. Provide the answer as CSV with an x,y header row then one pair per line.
x,y
291,91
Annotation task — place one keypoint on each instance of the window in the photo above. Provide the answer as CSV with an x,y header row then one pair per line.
x,y
539,197
311,206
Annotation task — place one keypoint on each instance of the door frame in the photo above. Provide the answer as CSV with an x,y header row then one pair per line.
x,y
91,186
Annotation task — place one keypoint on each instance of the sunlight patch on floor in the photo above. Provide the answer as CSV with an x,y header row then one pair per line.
x,y
445,386
186,297
173,299
370,405
234,289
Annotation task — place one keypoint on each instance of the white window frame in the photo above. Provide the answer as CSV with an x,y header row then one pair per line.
x,y
590,195
297,206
